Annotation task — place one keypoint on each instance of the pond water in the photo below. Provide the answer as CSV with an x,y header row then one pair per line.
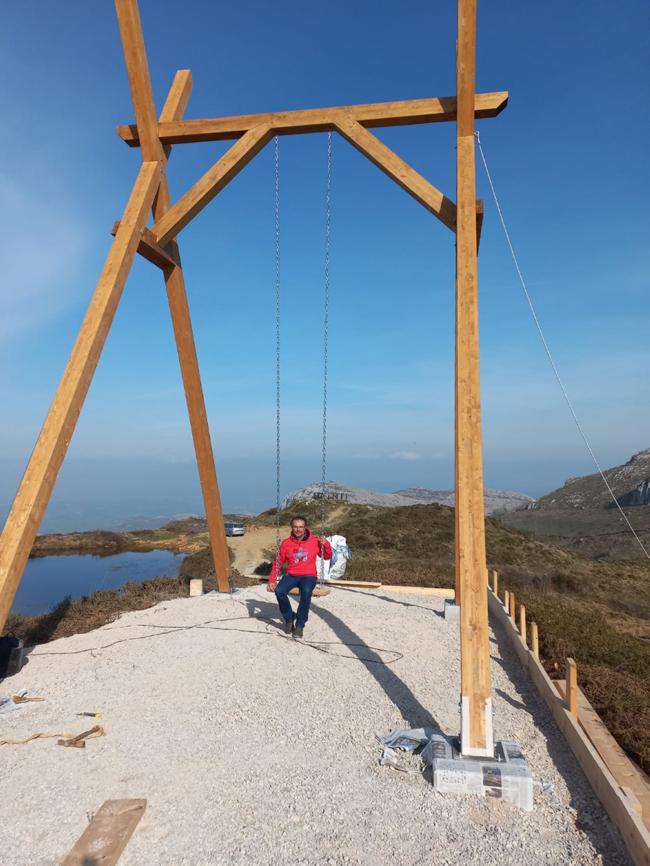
x,y
47,580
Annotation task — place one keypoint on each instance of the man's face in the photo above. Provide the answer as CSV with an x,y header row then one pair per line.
x,y
298,529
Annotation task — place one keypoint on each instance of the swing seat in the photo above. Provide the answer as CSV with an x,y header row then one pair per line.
x,y
319,592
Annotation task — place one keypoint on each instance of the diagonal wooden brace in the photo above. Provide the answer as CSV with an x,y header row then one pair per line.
x,y
52,444
401,172
212,182
135,56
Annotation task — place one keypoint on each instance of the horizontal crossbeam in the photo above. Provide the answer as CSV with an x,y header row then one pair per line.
x,y
376,114
149,249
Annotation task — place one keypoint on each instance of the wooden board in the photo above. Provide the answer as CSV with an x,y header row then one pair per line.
x,y
104,839
619,807
424,590
371,115
626,772
359,584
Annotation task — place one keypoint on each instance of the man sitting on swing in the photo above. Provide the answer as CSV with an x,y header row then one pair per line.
x,y
299,552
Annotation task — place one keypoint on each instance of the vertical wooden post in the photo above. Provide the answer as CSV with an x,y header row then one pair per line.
x,y
513,608
52,444
534,639
495,582
476,684
506,600
138,72
522,623
572,687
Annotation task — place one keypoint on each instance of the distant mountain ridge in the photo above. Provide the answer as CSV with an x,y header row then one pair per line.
x,y
630,484
495,500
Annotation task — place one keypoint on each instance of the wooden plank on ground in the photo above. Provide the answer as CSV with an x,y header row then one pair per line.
x,y
619,807
360,584
422,590
624,770
377,114
104,839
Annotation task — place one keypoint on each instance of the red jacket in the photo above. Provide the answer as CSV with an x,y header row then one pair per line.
x,y
299,556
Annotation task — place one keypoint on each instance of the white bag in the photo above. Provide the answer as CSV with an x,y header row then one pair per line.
x,y
335,568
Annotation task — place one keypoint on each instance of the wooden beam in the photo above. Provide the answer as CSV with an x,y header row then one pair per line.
x,y
616,804
141,92
176,102
523,631
372,115
399,171
107,835
52,444
495,582
149,249
212,182
513,607
630,777
476,683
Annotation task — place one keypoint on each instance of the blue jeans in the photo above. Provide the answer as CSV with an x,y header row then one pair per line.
x,y
306,584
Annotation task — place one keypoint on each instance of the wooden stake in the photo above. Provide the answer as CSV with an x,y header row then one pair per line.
x,y
138,71
522,623
534,639
53,441
476,685
495,582
506,600
572,687
513,607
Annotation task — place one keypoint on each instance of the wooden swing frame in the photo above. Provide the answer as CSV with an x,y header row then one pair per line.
x,y
155,137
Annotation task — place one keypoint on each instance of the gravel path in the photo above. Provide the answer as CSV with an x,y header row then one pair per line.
x,y
252,748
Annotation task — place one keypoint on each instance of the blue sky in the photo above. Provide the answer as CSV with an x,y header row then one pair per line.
x,y
569,160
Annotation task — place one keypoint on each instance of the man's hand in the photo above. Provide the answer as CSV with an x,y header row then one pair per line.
x,y
270,586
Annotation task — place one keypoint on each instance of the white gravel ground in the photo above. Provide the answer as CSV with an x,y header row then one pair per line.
x,y
252,748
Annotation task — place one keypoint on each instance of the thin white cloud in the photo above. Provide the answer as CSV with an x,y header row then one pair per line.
x,y
405,455
42,247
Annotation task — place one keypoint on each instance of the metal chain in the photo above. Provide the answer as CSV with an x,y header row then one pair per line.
x,y
326,313
277,345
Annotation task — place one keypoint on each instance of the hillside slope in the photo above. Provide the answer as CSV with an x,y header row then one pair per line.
x,y
495,500
630,484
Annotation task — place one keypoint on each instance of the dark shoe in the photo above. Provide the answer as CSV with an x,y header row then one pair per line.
x,y
288,626
297,631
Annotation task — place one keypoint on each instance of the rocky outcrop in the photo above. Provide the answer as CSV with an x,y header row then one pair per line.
x,y
495,500
630,484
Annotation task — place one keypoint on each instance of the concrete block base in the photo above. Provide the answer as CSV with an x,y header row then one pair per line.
x,y
452,610
504,777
